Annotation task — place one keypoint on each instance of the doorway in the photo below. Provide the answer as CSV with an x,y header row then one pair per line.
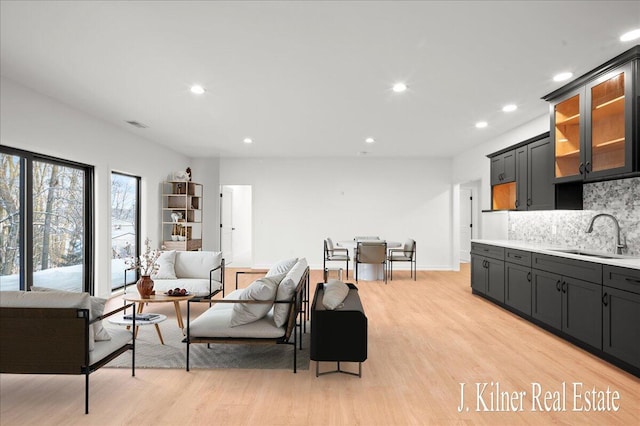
x,y
236,218
469,217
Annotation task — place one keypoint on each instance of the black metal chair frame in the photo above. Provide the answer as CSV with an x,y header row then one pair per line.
x,y
412,260
328,259
371,243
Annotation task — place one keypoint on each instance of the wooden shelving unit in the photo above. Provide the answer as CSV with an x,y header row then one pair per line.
x,y
182,215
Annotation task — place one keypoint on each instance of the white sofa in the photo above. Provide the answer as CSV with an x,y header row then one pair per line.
x,y
264,312
201,273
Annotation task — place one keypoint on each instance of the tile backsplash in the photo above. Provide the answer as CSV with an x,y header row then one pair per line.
x,y
621,198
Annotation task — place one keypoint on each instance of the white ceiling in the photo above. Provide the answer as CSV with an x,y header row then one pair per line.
x,y
309,78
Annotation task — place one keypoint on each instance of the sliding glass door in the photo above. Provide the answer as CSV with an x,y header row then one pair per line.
x,y
49,204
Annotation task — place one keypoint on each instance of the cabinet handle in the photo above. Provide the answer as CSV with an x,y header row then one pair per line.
x,y
632,280
587,167
529,276
558,285
517,256
605,299
528,201
564,286
517,204
581,168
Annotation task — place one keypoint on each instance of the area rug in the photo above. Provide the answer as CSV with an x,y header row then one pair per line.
x,y
150,353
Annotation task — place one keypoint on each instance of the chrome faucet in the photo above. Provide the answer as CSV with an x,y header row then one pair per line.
x,y
619,245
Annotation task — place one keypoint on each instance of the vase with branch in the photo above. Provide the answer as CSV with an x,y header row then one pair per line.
x,y
147,264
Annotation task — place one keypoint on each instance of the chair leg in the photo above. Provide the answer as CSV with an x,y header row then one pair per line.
x,y
391,269
347,269
356,271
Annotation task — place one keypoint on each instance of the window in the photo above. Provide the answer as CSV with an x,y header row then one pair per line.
x,y
47,222
125,220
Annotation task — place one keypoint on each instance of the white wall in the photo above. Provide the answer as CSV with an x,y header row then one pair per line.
x,y
299,202
34,122
206,172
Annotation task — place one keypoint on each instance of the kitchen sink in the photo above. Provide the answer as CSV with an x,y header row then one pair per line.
x,y
592,253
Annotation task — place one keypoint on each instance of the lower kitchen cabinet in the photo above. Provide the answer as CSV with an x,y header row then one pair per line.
x,y
487,276
546,298
517,291
621,325
568,304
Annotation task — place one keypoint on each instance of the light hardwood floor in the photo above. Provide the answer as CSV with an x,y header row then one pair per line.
x,y
425,338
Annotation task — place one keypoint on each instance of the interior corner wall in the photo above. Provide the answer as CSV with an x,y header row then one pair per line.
x,y
37,123
298,202
206,172
473,164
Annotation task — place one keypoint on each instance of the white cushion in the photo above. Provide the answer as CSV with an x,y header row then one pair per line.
x,y
119,338
216,322
195,286
49,299
197,264
282,267
335,292
97,309
286,289
166,266
263,289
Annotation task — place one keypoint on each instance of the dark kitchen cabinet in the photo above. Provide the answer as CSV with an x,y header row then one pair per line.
x,y
517,292
621,314
503,168
594,122
535,188
568,304
487,270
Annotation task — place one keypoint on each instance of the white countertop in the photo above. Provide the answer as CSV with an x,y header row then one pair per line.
x,y
624,261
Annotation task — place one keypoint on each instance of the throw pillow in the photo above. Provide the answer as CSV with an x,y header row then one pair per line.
x,y
263,289
166,266
281,267
335,292
97,308
286,290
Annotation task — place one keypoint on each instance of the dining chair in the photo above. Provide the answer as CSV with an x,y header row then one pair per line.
x,y
405,254
333,254
372,252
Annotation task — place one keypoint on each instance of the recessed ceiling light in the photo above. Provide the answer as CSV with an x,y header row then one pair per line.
x,y
369,140
399,87
509,108
631,35
562,76
247,140
197,89
481,124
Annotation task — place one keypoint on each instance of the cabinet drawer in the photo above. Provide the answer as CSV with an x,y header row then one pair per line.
x,y
518,256
622,278
587,271
488,250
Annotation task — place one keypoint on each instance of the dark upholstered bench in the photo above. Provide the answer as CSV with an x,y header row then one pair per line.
x,y
339,335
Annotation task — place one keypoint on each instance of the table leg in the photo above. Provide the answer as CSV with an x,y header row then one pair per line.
x,y
176,304
159,333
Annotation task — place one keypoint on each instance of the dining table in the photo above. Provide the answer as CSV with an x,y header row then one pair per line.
x,y
366,271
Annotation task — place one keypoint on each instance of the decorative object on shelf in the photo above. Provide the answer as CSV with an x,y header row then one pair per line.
x,y
147,264
175,216
181,176
188,172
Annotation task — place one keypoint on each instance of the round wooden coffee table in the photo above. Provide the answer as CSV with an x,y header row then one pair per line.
x,y
160,298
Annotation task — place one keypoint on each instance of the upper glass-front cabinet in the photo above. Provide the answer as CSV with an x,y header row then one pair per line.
x,y
593,119
609,132
566,118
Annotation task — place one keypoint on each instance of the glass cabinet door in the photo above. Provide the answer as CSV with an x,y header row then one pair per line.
x,y
607,125
567,137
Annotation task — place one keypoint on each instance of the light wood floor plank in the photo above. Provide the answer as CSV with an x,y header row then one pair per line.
x,y
425,338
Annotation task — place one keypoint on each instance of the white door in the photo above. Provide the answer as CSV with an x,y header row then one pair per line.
x,y
466,223
226,225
